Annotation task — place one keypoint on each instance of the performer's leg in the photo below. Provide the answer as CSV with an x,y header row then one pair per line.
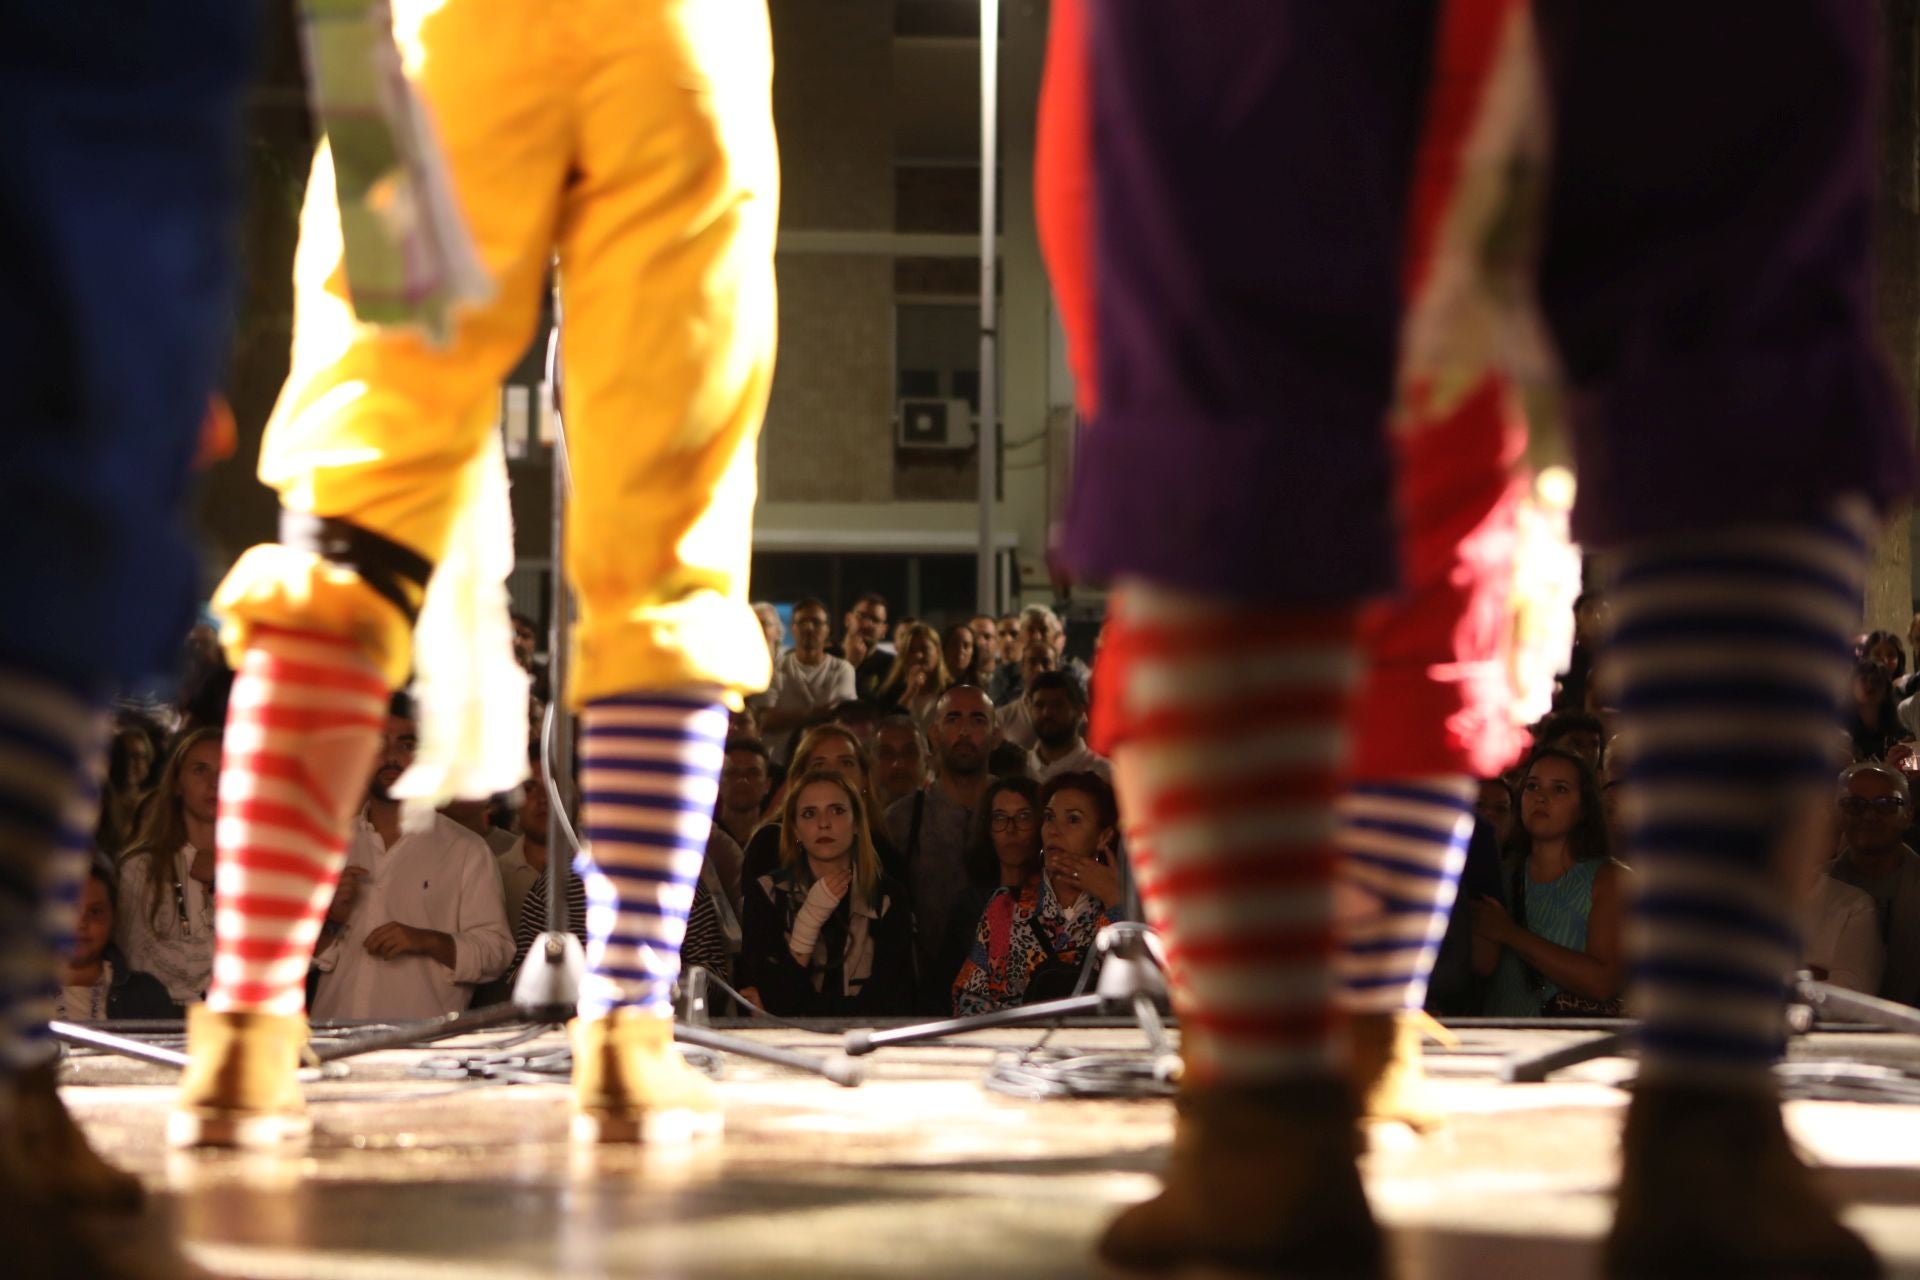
x,y
1710,288
667,286
1227,727
52,743
119,188
1728,660
369,447
1403,843
1226,442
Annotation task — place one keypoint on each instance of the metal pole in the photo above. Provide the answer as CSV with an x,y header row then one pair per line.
x,y
558,756
988,594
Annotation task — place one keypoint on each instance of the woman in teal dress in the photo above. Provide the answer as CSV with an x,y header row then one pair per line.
x,y
1558,929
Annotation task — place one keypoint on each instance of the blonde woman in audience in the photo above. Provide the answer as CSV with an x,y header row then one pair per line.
x,y
919,674
835,748
165,918
828,932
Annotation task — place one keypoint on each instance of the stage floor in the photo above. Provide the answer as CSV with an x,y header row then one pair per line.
x,y
920,1173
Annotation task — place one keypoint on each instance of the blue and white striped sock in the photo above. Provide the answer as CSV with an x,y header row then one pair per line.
x,y
50,743
1402,846
650,773
1728,662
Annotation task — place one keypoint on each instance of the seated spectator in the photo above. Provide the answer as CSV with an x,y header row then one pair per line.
x,y
899,760
419,919
205,684
828,933
705,944
918,676
532,921
1841,931
1884,648
526,640
1005,853
1873,717
1016,717
1580,732
962,654
861,717
96,982
1033,625
525,861
771,626
746,781
1010,760
986,651
1032,940
1553,945
806,679
1495,808
130,761
1454,990
934,827
1875,811
1910,683
1008,640
863,643
477,817
1057,707
832,747
165,920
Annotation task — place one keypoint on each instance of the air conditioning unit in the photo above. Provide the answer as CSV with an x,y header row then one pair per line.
x,y
934,424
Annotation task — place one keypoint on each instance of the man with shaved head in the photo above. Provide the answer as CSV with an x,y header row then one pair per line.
x,y
933,827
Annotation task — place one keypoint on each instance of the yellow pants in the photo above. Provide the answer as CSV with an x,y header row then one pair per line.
x,y
635,139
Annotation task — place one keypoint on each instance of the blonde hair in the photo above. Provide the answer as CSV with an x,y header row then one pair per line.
x,y
810,742
866,858
162,827
902,645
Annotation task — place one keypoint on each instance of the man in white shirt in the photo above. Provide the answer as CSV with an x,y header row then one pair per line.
x,y
1056,707
806,679
1841,935
418,920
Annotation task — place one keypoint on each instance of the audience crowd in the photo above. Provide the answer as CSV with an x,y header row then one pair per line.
x,y
910,821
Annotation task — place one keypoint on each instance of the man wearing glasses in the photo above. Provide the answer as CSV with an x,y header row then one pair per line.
x,y
1875,811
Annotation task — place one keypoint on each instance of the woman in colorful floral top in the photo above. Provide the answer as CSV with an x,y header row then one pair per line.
x,y
1033,937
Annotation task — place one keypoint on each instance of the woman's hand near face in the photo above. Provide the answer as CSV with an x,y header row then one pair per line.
x,y
1101,879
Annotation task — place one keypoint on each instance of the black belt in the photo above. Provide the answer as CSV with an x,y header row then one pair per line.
x,y
383,564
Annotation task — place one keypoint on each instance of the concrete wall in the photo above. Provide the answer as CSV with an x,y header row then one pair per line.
x,y
851,100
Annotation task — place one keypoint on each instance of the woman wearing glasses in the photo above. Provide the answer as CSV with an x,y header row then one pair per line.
x,y
165,922
1057,851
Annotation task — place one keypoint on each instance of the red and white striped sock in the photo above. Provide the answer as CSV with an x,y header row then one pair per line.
x,y
303,727
1226,725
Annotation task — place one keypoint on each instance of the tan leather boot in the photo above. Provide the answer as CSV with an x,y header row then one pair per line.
x,y
1261,1180
1384,1068
242,1086
631,1085
47,1152
1710,1186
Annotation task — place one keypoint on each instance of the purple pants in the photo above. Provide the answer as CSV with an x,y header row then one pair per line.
x,y
1706,275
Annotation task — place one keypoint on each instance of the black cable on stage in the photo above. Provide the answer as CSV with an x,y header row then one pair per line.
x,y
1040,1072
